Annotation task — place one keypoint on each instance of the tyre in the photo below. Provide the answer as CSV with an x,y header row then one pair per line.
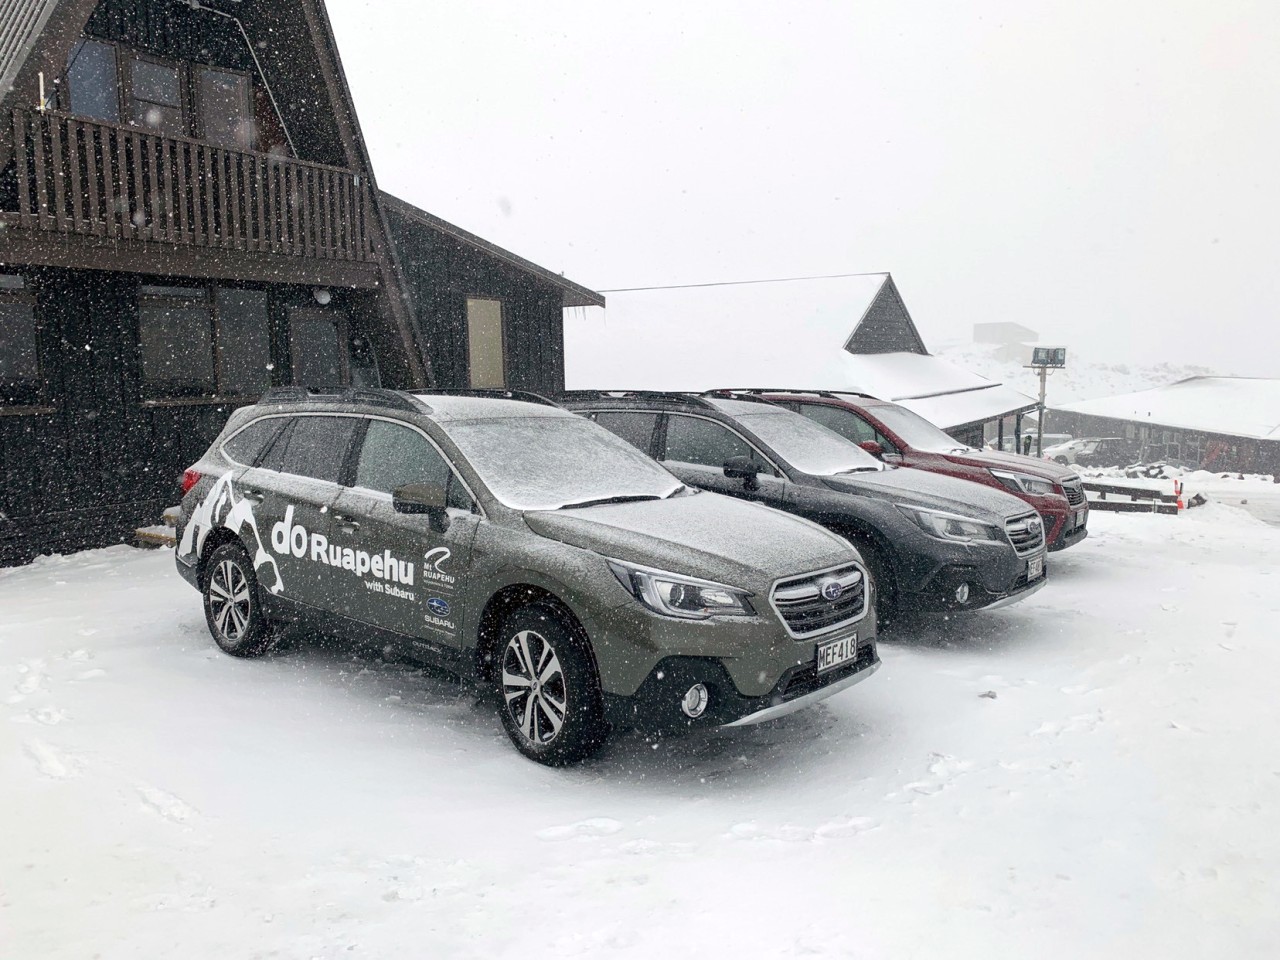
x,y
882,579
232,605
549,696
1063,460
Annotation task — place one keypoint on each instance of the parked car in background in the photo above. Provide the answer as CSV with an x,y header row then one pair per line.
x,y
1096,452
1009,444
932,542
898,435
520,545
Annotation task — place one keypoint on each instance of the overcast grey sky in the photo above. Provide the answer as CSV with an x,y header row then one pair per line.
x,y
1103,172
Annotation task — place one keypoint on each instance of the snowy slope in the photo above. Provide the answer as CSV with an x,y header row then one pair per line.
x,y
1112,795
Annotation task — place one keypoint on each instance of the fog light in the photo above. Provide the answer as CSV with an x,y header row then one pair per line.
x,y
695,700
962,593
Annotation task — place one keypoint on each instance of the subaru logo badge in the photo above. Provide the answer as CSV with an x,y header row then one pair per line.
x,y
831,590
1033,526
439,607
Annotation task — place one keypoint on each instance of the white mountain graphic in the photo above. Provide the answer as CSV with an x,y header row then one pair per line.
x,y
222,508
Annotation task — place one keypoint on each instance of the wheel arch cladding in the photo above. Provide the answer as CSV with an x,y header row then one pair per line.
x,y
217,538
518,596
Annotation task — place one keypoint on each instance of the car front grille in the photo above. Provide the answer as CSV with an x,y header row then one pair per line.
x,y
1075,491
806,612
1026,533
806,679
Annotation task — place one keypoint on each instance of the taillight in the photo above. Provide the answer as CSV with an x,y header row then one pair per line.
x,y
189,479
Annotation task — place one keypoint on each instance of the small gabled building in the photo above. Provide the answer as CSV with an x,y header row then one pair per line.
x,y
188,217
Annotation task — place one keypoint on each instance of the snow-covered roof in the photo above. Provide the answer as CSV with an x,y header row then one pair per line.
x,y
788,335
1235,406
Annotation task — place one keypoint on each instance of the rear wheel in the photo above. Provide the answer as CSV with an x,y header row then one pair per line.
x,y
550,699
232,606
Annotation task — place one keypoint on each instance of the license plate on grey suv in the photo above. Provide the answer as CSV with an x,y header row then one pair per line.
x,y
836,653
1035,568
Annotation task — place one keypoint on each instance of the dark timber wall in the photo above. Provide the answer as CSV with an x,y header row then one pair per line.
x,y
886,327
441,272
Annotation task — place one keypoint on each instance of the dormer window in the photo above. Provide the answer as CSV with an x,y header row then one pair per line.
x,y
155,95
113,82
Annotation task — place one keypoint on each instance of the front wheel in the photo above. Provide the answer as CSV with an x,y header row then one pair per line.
x,y
232,606
551,704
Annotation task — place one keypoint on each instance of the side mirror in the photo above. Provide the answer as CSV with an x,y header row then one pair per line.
x,y
873,447
744,469
423,498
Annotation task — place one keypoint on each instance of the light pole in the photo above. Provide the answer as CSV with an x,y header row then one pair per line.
x,y
1044,359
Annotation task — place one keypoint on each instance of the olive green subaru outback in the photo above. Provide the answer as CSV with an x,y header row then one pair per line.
x,y
527,548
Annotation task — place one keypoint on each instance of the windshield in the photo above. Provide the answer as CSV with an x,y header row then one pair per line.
x,y
544,463
808,446
915,430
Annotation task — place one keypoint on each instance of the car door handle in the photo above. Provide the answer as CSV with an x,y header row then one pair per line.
x,y
254,496
345,523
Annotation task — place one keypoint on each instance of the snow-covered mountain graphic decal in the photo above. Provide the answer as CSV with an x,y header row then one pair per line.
x,y
222,508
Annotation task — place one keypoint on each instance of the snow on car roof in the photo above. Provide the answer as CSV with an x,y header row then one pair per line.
x,y
446,406
1235,406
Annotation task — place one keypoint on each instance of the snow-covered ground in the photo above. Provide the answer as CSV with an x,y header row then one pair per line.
x,y
1092,773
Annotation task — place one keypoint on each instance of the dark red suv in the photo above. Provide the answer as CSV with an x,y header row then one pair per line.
x,y
897,435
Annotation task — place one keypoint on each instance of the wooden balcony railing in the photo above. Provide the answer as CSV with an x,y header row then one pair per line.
x,y
79,176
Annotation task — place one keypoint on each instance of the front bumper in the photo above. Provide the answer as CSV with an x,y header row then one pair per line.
x,y
1075,527
655,707
939,595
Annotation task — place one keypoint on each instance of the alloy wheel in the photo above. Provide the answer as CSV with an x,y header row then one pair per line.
x,y
534,687
230,600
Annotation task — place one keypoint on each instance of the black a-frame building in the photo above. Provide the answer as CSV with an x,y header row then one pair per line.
x,y
189,216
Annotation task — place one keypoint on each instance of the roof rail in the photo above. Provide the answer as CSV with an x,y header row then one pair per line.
x,y
670,396
834,394
496,393
746,396
364,396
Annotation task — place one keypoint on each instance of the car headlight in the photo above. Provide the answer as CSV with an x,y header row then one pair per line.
x,y
673,595
1025,483
951,526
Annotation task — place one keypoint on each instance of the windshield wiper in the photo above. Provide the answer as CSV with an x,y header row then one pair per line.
x,y
859,470
624,498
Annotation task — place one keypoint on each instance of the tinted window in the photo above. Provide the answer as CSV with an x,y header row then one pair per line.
x,y
177,347
18,358
318,446
156,95
245,446
635,428
225,111
394,455
244,342
317,356
91,76
846,423
693,440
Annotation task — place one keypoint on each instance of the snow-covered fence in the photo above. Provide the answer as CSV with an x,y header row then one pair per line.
x,y
1140,499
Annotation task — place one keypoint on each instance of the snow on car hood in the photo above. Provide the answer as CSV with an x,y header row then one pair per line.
x,y
704,535
996,460
924,489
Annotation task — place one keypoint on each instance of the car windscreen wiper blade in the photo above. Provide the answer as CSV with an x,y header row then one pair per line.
x,y
859,470
624,498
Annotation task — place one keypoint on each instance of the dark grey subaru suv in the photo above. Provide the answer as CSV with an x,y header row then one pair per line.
x,y
521,545
931,542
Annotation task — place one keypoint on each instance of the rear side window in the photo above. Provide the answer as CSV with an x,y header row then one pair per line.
x,y
247,445
694,440
633,427
846,423
393,455
317,447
